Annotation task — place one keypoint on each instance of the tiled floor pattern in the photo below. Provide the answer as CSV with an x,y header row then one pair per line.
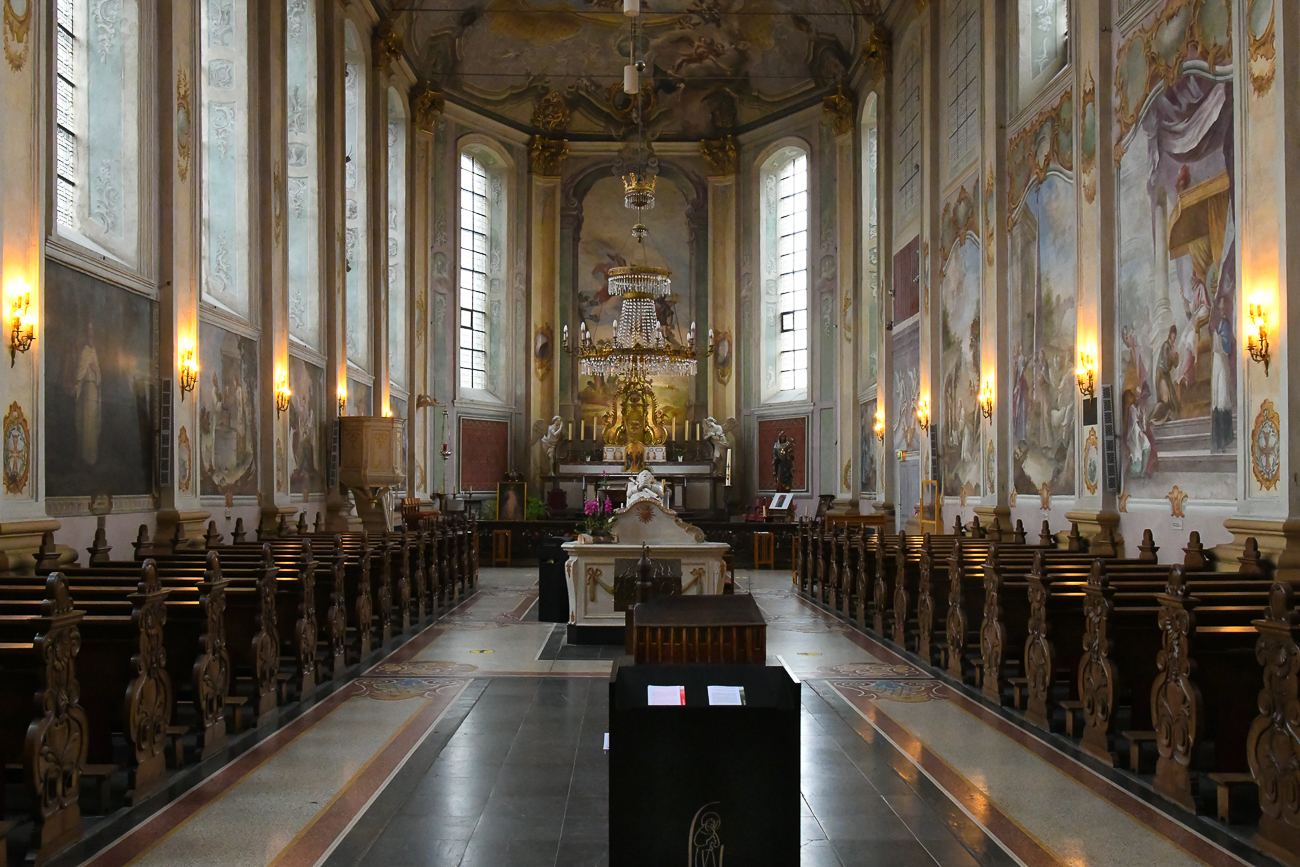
x,y
476,745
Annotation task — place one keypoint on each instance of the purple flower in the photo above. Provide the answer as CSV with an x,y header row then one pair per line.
x,y
609,508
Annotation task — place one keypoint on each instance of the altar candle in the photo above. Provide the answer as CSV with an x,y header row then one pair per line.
x,y
674,434
728,463
570,430
582,429
697,431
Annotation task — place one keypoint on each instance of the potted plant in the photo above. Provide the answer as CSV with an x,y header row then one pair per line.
x,y
597,515
681,454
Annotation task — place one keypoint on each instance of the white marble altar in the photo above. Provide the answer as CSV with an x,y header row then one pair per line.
x,y
591,568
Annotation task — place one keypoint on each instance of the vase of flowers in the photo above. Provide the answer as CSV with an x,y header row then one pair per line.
x,y
597,515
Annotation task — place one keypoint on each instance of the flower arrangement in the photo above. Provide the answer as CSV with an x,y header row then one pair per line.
x,y
597,515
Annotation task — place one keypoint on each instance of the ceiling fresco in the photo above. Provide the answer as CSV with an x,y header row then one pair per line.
x,y
712,66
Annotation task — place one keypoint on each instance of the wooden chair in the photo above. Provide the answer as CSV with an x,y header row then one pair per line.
x,y
764,550
500,547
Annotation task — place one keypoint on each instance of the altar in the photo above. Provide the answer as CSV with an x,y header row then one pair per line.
x,y
693,486
601,577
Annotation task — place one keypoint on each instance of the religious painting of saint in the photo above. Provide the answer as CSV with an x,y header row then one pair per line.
x,y
99,430
306,427
227,413
511,497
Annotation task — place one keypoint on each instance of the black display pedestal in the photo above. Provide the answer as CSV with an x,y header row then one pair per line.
x,y
552,592
689,782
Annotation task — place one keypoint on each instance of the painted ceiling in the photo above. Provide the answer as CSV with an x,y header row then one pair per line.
x,y
713,66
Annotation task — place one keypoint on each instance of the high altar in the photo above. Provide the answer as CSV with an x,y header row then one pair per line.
x,y
602,577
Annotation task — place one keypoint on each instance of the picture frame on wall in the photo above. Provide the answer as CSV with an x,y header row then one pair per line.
x,y
511,498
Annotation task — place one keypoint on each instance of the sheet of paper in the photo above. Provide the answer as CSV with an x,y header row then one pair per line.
x,y
726,695
670,695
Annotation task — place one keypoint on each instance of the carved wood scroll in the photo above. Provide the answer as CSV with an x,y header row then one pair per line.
x,y
1273,745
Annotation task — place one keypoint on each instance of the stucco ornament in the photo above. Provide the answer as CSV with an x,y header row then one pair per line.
x,y
17,450
18,22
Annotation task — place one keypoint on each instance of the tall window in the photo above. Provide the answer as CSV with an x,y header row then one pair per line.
x,y
962,70
784,242
226,182
907,147
792,276
397,289
302,173
356,226
474,228
1044,34
97,120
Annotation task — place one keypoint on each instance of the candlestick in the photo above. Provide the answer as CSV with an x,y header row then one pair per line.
x,y
582,429
570,430
674,433
697,431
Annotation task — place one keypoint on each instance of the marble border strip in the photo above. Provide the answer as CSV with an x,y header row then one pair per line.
x,y
1009,834
1177,833
158,827
314,843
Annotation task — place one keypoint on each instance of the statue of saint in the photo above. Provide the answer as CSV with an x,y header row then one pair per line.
x,y
783,462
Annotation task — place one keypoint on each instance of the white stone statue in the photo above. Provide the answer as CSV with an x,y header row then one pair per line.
x,y
721,438
551,440
643,486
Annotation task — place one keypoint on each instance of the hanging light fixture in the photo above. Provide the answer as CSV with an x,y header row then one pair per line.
x,y
639,350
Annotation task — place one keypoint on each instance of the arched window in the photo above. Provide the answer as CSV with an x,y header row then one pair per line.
x,y
784,239
223,86
1044,37
356,228
302,170
474,243
397,288
97,120
961,53
870,291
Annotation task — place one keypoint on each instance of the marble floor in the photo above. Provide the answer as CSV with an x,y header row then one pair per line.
x,y
479,742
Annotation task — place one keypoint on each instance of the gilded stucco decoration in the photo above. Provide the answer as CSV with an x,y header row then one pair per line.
x,y
551,115
18,23
543,351
386,44
277,203
184,123
841,108
184,461
426,105
722,357
1263,52
846,479
1266,447
960,220
547,155
1176,497
17,450
721,156
1088,138
990,214
991,469
1091,462
876,49
1154,56
1046,142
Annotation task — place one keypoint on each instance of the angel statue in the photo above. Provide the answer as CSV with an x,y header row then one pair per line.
x,y
551,441
721,437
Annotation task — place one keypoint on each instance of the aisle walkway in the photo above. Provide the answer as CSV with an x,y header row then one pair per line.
x,y
479,743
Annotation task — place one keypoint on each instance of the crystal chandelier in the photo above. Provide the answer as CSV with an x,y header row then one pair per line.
x,y
638,351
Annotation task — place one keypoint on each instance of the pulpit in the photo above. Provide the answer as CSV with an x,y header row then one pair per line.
x,y
370,464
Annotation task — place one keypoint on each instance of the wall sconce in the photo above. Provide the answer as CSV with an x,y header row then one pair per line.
x,y
424,401
880,425
282,392
189,369
1257,342
923,412
22,325
1086,375
343,401
986,399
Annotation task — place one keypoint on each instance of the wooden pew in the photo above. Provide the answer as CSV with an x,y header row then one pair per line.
x,y
38,655
1273,742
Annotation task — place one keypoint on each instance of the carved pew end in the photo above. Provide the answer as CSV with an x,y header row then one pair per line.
x,y
1238,789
